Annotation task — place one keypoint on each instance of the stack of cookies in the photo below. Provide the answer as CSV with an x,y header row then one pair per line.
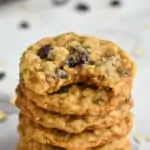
x,y
75,94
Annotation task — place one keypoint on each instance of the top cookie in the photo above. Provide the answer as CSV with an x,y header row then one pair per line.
x,y
69,58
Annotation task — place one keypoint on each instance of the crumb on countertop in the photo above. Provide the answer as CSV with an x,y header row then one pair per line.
x,y
138,138
3,116
147,26
13,101
25,6
3,62
147,139
139,52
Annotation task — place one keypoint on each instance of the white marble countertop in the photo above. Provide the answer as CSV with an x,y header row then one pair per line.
x,y
129,26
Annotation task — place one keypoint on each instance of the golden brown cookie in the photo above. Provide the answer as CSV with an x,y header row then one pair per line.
x,y
72,124
84,140
76,100
52,63
119,144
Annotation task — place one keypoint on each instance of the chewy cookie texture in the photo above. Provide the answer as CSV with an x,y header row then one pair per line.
x,y
75,94
79,99
84,140
52,63
73,124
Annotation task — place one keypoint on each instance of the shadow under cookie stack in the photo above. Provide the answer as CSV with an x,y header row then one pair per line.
x,y
74,93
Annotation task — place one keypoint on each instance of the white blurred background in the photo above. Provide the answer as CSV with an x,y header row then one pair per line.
x,y
126,22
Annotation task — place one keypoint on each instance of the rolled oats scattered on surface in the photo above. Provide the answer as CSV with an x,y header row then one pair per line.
x,y
3,116
138,138
147,26
13,101
139,52
2,62
147,139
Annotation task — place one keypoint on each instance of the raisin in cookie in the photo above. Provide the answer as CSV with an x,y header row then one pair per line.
x,y
76,100
73,123
84,140
118,144
52,63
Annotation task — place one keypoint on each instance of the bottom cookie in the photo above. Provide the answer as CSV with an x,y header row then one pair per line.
x,y
84,140
24,144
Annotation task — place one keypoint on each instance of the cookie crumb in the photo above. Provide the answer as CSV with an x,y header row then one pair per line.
x,y
37,118
61,73
2,62
45,105
147,26
3,116
13,101
147,139
138,139
139,52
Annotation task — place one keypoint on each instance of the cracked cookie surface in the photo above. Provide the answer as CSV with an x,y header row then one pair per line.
x,y
52,63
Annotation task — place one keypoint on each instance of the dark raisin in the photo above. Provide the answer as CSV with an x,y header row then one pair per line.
x,y
82,7
43,51
24,25
71,61
63,89
82,58
81,84
59,2
77,59
2,75
115,3
61,73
